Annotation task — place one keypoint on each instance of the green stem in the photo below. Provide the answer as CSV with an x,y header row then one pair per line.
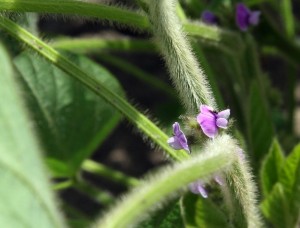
x,y
132,114
217,156
138,73
185,72
288,17
96,45
112,175
86,9
115,14
63,185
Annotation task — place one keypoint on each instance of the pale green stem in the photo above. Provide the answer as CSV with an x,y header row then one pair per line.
x,y
217,156
96,45
106,172
131,113
63,185
81,8
185,72
244,192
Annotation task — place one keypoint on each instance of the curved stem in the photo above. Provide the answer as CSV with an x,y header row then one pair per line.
x,y
216,156
131,113
86,9
115,14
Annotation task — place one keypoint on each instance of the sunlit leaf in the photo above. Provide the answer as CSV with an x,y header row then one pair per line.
x,y
26,200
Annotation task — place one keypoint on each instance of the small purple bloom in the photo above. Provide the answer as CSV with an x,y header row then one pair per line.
x,y
210,121
178,141
245,17
219,179
209,18
197,187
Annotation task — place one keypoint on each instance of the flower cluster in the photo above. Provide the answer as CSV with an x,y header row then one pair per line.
x,y
210,121
244,17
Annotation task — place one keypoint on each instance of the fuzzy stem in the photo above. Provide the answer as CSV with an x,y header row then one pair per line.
x,y
188,78
115,14
86,9
132,114
243,190
112,175
217,156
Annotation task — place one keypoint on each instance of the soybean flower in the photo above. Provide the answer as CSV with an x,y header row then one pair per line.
x,y
245,17
178,141
210,121
209,17
197,187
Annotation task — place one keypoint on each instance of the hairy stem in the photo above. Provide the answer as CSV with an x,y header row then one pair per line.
x,y
216,156
132,114
188,78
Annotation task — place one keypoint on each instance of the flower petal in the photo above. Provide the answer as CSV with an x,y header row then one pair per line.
x,y
242,16
254,17
222,123
219,180
176,128
174,143
209,18
206,110
202,191
224,114
208,125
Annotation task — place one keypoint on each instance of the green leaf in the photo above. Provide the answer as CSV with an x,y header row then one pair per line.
x,y
275,207
260,125
290,179
200,212
26,200
167,216
271,166
71,120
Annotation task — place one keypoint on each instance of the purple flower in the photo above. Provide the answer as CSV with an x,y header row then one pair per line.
x,y
219,179
245,17
209,18
178,141
197,187
210,121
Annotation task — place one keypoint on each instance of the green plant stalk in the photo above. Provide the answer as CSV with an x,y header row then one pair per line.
x,y
185,72
216,156
86,9
96,45
138,73
243,193
63,185
131,113
106,172
102,197
288,17
115,14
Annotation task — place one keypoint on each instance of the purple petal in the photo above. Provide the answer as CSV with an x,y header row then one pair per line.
x,y
224,114
209,18
240,153
202,191
205,109
242,16
208,125
178,141
174,143
222,123
197,187
219,180
176,128
254,17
